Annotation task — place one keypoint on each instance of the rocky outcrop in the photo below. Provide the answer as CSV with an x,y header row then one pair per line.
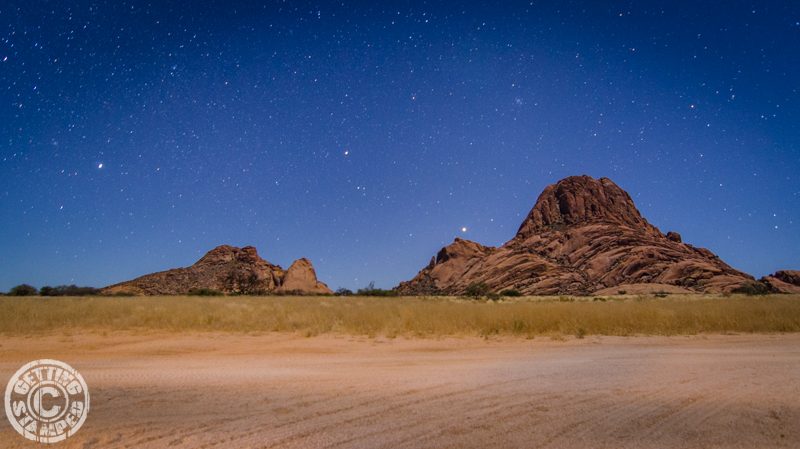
x,y
582,236
674,236
784,281
301,278
578,200
227,269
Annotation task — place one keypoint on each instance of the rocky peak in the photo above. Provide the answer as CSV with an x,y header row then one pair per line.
x,y
583,235
301,277
580,200
224,254
460,248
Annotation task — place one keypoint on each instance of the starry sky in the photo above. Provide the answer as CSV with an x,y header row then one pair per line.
x,y
136,136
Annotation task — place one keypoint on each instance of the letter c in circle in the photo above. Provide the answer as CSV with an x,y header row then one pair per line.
x,y
37,402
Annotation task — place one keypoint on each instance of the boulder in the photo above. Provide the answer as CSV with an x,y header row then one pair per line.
x,y
302,279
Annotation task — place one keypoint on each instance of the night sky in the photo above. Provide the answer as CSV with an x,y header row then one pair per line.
x,y
136,136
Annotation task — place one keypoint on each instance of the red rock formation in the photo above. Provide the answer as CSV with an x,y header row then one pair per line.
x,y
301,277
784,281
582,236
227,269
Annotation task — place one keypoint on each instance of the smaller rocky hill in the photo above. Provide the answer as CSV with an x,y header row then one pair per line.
x,y
227,269
784,281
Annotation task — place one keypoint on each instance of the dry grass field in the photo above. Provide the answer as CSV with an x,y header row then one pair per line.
x,y
411,317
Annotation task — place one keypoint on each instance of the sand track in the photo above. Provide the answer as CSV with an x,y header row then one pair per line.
x,y
281,391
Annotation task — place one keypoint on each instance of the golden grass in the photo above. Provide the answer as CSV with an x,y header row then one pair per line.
x,y
425,317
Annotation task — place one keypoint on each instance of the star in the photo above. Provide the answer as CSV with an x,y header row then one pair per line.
x,y
100,165
463,229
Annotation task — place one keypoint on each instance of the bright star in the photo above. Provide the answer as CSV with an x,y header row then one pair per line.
x,y
100,165
464,229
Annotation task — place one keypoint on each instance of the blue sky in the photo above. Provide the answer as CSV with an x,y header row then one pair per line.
x,y
135,137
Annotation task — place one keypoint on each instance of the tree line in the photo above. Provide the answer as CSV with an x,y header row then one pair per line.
x,y
58,290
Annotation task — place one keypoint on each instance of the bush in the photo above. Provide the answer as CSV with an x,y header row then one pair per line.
x,y
344,292
477,290
295,292
23,290
370,290
68,290
510,292
124,294
752,288
204,292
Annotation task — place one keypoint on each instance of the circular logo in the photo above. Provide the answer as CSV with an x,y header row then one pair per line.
x,y
47,401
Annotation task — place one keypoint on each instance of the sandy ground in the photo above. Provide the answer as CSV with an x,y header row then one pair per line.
x,y
286,391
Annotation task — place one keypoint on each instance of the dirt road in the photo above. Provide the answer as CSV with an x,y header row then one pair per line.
x,y
279,390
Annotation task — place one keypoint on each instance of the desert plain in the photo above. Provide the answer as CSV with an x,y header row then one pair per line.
x,y
283,372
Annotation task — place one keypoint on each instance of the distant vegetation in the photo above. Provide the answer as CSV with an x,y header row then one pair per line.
x,y
753,288
59,290
68,290
407,316
23,290
370,290
477,290
511,293
205,292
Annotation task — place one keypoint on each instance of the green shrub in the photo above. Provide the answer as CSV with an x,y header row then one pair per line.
x,y
752,288
204,292
23,290
510,292
123,294
371,290
477,290
68,290
281,293
344,292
